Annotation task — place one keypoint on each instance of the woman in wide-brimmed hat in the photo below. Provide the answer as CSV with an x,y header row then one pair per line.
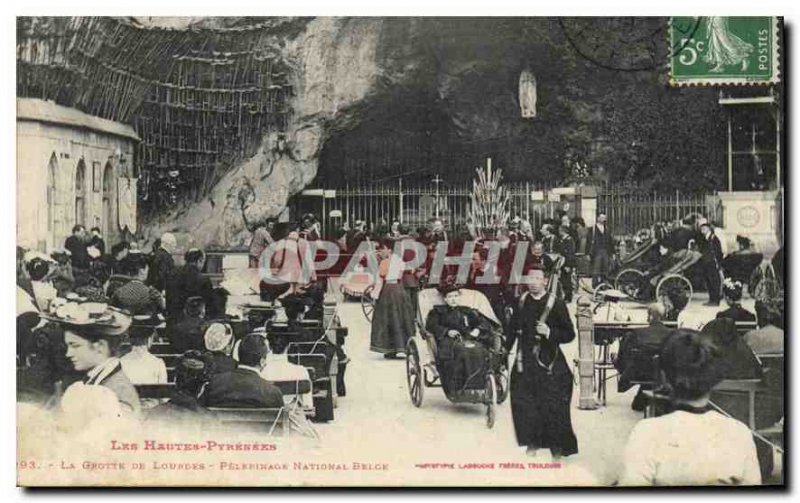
x,y
92,341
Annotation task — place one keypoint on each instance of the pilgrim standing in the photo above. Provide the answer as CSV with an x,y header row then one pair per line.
x,y
262,238
711,248
601,249
541,381
393,319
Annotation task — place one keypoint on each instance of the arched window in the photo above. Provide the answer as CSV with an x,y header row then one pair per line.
x,y
80,193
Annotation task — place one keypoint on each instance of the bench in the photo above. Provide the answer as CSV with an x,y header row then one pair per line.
x,y
317,358
274,421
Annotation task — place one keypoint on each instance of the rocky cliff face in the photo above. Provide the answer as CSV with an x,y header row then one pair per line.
x,y
440,89
335,69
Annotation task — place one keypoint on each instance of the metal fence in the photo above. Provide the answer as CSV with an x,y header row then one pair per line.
x,y
628,209
414,206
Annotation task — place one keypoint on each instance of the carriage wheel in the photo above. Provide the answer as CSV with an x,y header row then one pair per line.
x,y
501,384
491,400
632,283
368,303
674,282
597,293
414,374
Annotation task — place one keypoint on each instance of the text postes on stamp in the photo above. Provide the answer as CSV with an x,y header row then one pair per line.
x,y
718,50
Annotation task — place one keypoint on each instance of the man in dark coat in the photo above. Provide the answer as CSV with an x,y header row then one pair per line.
x,y
187,331
636,352
76,244
711,248
566,248
162,264
600,248
186,282
679,238
541,381
462,336
356,235
549,239
244,386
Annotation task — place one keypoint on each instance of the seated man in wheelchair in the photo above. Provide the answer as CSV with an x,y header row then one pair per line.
x,y
463,339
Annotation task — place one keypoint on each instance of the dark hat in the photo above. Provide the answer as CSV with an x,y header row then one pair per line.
x,y
743,240
38,268
193,370
448,285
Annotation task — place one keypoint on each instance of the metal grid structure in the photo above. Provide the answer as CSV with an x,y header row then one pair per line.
x,y
629,209
199,98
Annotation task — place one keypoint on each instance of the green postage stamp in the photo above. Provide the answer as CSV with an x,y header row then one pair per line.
x,y
724,50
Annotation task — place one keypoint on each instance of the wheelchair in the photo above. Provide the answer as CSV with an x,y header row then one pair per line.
x,y
422,366
643,280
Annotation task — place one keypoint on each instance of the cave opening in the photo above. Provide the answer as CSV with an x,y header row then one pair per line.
x,y
409,135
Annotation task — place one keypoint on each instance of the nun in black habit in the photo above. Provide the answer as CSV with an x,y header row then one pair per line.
x,y
541,381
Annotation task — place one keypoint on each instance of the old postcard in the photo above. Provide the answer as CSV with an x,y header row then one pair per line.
x,y
401,252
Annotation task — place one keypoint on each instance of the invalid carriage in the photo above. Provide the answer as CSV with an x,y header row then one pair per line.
x,y
489,388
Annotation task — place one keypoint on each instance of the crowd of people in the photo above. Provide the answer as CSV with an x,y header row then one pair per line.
x,y
87,316
541,385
